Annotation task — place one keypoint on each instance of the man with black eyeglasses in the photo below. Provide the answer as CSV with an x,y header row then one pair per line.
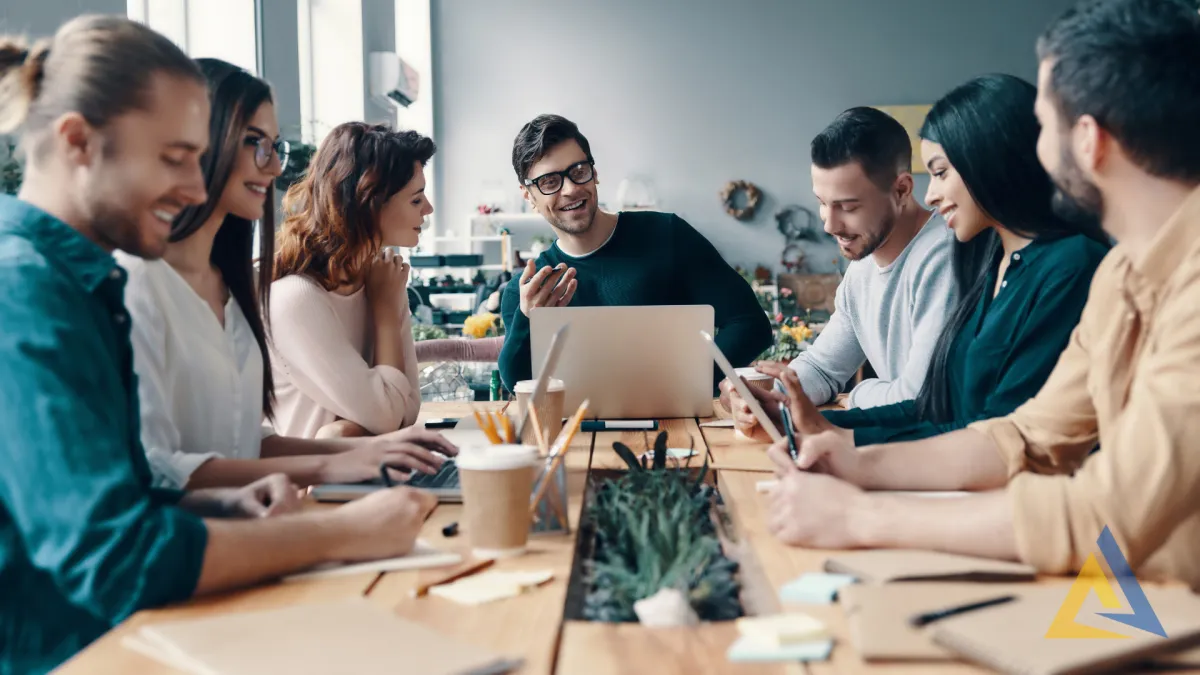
x,y
613,259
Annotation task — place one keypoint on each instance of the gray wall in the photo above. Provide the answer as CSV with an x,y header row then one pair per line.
x,y
281,63
697,92
38,18
379,35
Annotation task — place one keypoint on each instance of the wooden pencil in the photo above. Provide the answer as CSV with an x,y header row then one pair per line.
x,y
423,589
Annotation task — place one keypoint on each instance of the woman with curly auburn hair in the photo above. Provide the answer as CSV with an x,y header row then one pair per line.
x,y
343,354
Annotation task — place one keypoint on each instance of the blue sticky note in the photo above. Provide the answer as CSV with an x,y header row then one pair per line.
x,y
814,588
746,650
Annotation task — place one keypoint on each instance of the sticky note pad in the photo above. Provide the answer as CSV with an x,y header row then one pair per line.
x,y
814,588
490,586
781,630
746,650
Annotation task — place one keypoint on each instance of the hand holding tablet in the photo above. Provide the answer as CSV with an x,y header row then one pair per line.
x,y
742,389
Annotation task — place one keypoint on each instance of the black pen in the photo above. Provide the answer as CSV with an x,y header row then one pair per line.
x,y
929,617
789,431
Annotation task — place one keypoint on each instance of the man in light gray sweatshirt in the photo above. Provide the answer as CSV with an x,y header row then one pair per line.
x,y
899,287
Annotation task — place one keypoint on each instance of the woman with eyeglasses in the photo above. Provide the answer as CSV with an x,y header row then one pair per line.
x,y
200,343
345,362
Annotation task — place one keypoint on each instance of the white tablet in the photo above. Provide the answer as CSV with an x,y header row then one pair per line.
x,y
742,389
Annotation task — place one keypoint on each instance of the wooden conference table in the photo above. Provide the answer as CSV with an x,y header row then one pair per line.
x,y
532,626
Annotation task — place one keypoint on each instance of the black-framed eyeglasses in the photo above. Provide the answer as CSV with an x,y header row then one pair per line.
x,y
550,183
264,147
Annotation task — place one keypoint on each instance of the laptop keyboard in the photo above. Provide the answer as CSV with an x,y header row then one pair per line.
x,y
446,477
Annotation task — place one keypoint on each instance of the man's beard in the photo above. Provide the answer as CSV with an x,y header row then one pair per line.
x,y
1075,199
872,241
119,226
574,227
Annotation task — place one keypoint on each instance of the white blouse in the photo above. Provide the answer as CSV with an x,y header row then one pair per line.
x,y
199,384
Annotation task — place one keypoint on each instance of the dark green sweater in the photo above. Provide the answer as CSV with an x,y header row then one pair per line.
x,y
652,259
1006,350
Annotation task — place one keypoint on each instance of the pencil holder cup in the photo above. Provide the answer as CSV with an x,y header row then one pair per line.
x,y
551,511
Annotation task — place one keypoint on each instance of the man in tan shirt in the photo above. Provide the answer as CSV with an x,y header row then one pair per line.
x,y
1119,100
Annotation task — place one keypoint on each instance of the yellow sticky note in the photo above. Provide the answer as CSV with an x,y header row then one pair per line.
x,y
490,586
780,630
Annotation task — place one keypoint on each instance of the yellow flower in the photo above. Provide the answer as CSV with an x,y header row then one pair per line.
x,y
479,325
799,332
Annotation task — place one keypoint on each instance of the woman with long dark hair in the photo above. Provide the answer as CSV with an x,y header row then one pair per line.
x,y
200,344
1024,271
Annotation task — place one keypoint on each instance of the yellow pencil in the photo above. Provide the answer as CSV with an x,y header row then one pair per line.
x,y
506,426
487,428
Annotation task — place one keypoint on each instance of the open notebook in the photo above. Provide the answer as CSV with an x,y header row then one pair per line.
x,y
1011,638
887,565
352,636
877,615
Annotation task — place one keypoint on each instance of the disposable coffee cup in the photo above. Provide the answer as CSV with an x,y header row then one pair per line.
x,y
497,484
549,412
756,379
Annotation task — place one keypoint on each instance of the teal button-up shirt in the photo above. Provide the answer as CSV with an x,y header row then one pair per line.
x,y
84,541
1006,350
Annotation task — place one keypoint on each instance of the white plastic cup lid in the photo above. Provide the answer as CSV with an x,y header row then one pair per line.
x,y
752,374
526,386
496,457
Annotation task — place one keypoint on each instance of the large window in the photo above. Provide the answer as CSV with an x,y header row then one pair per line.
x,y
223,29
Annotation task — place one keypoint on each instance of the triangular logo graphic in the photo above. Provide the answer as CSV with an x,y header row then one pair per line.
x,y
1090,578
1143,616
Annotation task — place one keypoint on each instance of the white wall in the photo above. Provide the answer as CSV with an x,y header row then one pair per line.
x,y
698,92
223,29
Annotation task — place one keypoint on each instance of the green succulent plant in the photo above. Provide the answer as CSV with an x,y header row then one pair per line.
x,y
653,530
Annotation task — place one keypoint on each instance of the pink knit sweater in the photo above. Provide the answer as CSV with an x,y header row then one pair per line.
x,y
321,359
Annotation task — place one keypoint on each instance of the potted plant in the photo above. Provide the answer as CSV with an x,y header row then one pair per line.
x,y
299,157
792,336
652,530
11,171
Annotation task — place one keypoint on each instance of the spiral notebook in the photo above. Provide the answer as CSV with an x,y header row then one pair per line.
x,y
877,615
1011,638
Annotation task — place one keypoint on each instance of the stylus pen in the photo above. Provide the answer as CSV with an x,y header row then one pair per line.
x,y
789,431
930,617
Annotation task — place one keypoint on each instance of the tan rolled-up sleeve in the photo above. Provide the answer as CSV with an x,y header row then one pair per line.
x,y
1145,480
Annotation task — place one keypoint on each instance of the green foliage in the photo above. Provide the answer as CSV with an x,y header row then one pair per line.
x,y
12,173
298,161
786,348
654,530
423,331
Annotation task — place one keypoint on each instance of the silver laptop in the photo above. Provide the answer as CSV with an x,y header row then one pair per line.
x,y
630,362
